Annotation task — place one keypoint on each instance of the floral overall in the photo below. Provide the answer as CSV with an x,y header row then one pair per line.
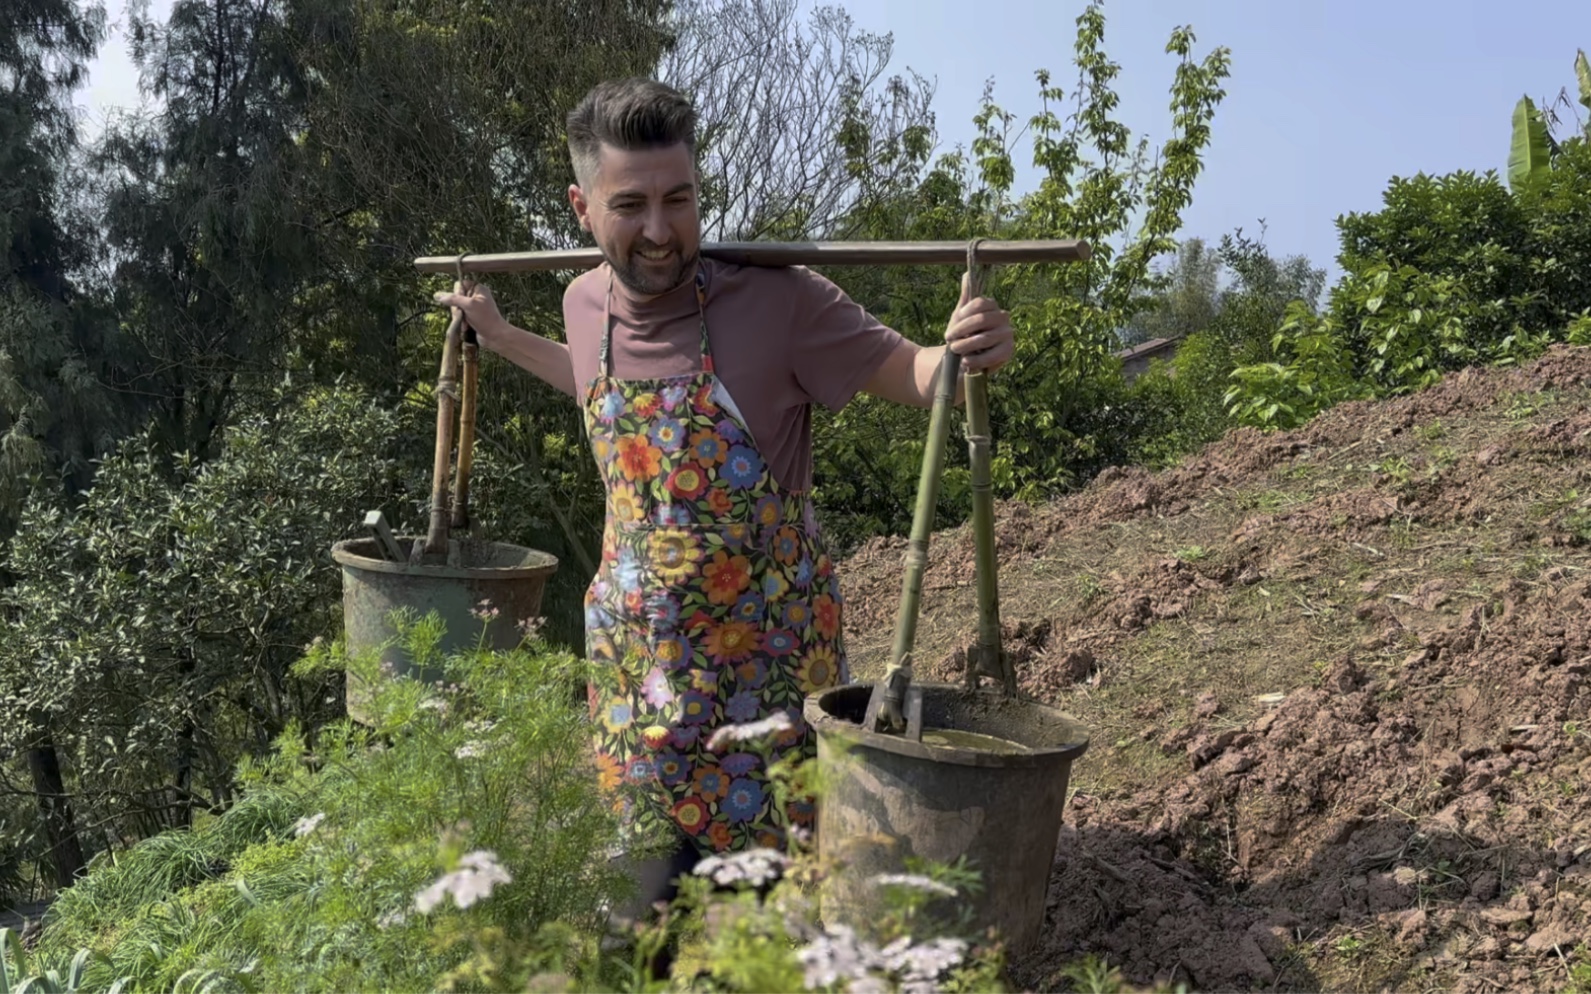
x,y
715,603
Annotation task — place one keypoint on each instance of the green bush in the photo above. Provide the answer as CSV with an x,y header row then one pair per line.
x,y
458,844
1453,271
311,881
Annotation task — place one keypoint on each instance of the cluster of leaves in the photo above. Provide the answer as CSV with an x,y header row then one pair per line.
x,y
1453,271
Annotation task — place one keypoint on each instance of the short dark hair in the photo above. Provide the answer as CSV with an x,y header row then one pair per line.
x,y
628,114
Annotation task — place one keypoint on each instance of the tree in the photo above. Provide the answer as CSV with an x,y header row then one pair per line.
x,y
1185,297
54,412
797,127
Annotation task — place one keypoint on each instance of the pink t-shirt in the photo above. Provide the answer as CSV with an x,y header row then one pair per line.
x,y
782,339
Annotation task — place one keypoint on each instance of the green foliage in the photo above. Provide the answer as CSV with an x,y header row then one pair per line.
x,y
353,862
1453,271
1582,75
311,881
1531,151
150,630
1055,409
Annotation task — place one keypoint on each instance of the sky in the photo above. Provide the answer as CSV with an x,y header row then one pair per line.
x,y
1326,101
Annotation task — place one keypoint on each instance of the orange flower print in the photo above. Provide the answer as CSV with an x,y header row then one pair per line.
x,y
654,737
718,501
610,771
687,482
639,459
825,615
690,814
675,554
710,783
786,545
718,835
707,448
726,577
818,669
732,640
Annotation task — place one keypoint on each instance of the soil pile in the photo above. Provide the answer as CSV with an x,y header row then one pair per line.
x,y
1337,680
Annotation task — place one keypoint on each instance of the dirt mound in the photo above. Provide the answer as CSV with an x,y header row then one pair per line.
x,y
1337,680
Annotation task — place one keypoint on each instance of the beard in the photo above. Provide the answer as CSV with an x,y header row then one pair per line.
x,y
647,279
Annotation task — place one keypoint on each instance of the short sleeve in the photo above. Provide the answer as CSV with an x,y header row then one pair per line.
x,y
836,344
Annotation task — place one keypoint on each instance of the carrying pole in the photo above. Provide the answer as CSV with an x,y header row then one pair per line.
x,y
950,253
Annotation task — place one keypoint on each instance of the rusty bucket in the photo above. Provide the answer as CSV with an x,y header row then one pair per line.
x,y
998,801
511,578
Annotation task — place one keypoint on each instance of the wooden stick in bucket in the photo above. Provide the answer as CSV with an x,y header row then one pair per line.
x,y
446,410
461,481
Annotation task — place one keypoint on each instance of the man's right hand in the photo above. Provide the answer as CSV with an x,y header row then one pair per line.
x,y
480,310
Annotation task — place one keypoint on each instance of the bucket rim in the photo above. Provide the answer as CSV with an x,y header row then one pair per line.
x,y
826,724
541,563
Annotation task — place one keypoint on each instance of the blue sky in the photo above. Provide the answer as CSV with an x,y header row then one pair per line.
x,y
1326,102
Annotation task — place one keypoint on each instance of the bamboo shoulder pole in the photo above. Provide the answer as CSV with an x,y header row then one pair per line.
x,y
863,253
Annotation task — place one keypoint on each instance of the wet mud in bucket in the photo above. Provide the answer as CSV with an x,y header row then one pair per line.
x,y
995,792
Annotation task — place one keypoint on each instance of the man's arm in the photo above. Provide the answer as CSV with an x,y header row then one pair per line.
x,y
979,331
542,357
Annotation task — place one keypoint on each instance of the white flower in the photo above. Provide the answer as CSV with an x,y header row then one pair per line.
x,y
927,961
304,826
477,874
772,725
391,919
833,957
839,955
484,611
480,725
913,880
470,750
753,866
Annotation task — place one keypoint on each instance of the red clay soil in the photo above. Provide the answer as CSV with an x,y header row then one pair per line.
x,y
1418,815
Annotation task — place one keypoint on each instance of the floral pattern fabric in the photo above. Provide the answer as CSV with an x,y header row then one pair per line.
x,y
715,603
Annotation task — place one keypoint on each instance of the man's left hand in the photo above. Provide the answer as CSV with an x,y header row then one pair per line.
x,y
980,332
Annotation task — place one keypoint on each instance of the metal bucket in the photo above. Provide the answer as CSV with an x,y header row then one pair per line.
x,y
509,577
895,798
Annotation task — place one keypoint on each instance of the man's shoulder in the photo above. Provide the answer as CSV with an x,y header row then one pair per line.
x,y
585,287
769,284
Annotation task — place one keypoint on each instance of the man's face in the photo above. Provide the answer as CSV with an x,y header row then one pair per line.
x,y
641,209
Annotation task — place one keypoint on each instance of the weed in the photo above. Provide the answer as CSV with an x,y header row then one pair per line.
x,y
1432,431
1192,553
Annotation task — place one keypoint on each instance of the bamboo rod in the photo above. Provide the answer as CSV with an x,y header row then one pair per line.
x,y
467,399
879,253
991,654
890,714
446,406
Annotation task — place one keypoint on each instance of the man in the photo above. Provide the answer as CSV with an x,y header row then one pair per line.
x,y
715,603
